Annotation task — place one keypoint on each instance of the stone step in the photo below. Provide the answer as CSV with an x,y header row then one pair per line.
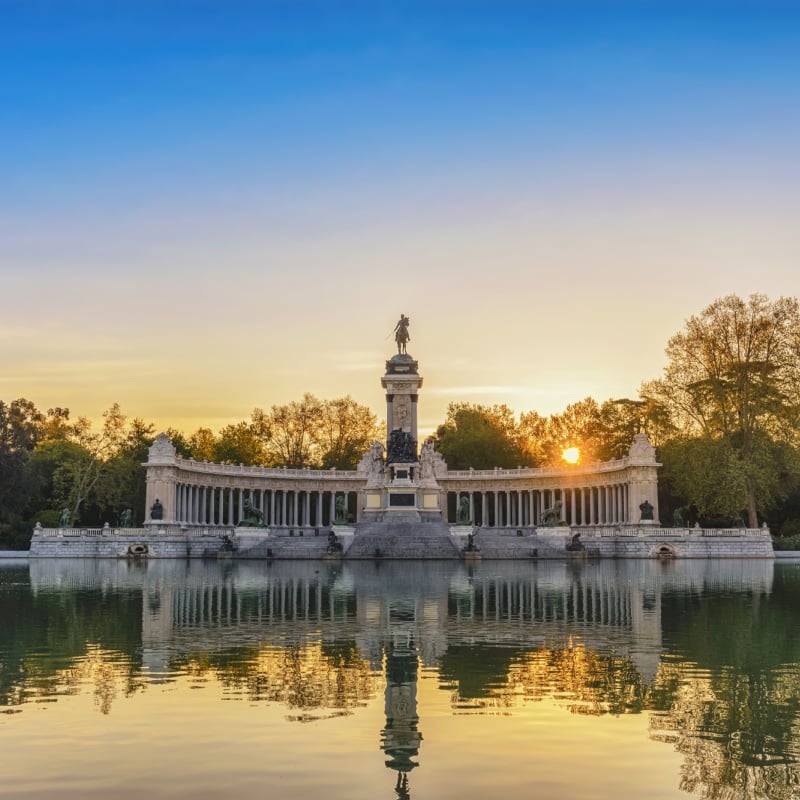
x,y
500,544
400,540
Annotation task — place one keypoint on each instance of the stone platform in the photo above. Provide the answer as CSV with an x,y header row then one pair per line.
x,y
397,540
400,541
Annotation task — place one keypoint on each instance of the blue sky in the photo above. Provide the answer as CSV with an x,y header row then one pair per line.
x,y
548,189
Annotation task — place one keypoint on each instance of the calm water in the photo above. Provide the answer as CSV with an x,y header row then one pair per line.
x,y
311,680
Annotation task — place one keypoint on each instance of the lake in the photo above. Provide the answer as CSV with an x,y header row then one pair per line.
x,y
435,680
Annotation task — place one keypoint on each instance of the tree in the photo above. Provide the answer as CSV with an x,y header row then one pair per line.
x,y
733,382
67,469
291,432
202,445
20,429
479,436
238,444
123,482
532,437
619,421
182,445
576,426
346,431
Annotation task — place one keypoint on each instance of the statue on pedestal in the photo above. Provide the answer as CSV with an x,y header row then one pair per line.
x,y
462,514
340,513
157,510
552,516
647,510
253,518
401,335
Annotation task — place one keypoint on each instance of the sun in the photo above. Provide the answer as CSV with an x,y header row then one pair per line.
x,y
571,455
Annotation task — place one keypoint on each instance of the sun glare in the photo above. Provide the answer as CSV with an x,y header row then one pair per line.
x,y
571,455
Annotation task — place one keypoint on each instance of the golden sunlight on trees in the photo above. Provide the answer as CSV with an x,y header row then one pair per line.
x,y
732,391
317,433
571,455
479,436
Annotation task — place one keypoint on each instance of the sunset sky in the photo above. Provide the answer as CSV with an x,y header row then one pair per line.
x,y
211,206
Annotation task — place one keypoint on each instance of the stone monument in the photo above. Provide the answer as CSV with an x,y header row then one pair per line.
x,y
402,488
401,514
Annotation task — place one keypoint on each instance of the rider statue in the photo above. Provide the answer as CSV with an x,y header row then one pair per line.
x,y
401,335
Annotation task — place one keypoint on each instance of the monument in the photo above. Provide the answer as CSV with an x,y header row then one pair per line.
x,y
401,502
403,487
402,498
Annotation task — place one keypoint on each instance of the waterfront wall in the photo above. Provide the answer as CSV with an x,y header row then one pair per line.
x,y
615,542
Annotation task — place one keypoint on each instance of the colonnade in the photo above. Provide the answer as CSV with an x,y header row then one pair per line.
x,y
223,603
505,508
199,493
197,504
590,601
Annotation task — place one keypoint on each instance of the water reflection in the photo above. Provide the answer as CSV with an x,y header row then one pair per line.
x,y
709,650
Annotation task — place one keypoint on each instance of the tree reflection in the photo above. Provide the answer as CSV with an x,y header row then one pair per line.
x,y
713,661
303,677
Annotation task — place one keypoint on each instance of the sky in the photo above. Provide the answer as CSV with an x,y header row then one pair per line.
x,y
207,207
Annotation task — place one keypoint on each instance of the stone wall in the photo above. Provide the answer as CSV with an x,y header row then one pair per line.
x,y
494,543
111,543
625,542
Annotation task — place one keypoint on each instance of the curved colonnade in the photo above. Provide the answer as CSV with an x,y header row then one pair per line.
x,y
205,494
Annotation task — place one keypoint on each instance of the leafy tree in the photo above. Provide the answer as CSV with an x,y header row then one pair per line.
x,y
346,431
20,430
66,470
479,436
532,437
123,482
576,426
181,444
49,476
733,382
238,444
291,431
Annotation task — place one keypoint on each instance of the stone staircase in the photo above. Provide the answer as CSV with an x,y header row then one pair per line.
x,y
396,540
503,543
285,547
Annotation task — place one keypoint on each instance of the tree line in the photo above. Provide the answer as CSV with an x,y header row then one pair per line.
x,y
724,417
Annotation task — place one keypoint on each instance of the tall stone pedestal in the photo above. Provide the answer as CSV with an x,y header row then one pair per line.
x,y
402,515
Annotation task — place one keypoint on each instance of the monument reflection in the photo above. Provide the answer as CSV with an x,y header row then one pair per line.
x,y
710,650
